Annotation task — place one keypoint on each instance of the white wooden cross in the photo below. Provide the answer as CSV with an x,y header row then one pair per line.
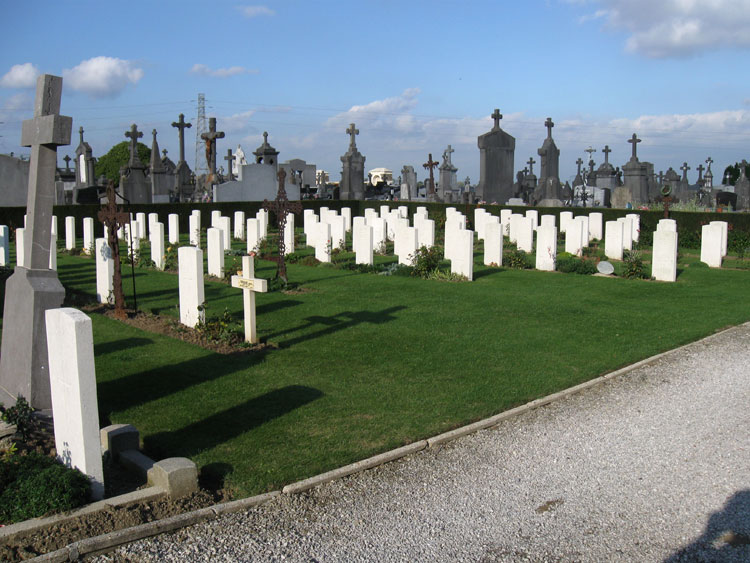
x,y
249,285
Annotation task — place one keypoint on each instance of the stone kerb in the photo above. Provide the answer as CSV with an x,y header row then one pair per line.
x,y
664,259
613,234
190,264
105,270
70,345
546,247
493,243
215,251
711,236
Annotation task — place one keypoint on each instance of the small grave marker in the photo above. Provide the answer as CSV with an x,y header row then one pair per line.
x,y
249,285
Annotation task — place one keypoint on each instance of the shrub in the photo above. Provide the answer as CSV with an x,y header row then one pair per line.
x,y
570,264
518,259
232,266
738,242
425,261
632,265
34,485
218,328
20,415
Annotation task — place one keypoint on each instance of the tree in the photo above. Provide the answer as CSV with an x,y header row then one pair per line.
x,y
732,173
117,157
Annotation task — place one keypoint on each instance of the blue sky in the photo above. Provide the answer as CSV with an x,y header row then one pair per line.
x,y
413,76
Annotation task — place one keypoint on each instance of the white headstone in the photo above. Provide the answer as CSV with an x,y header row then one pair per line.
x,y
215,217
635,226
711,241
596,231
4,245
153,218
585,233
289,234
565,218
546,248
462,253
379,230
262,216
225,224
627,232
724,232
323,242
525,233
72,377
215,252
346,213
425,232
664,257
370,215
338,231
613,234
513,230
190,264
493,243
405,243
53,227
157,244
239,225
140,219
574,237
384,211
70,233
505,220
173,221
548,220
194,226
362,241
533,214
105,269
308,220
667,225
253,235
53,252
88,235
20,250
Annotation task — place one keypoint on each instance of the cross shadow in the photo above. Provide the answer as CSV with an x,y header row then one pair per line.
x,y
276,306
150,385
336,323
230,423
487,272
117,345
726,537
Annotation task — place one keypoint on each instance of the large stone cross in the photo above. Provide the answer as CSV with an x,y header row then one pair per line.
x,y
606,150
281,207
497,116
684,169
447,154
230,158
352,131
634,140
579,162
249,285
430,165
181,126
531,162
700,170
549,125
210,139
134,135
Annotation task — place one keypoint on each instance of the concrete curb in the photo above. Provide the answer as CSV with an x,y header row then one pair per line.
x,y
107,542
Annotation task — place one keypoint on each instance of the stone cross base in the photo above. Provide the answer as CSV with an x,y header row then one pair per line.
x,y
28,294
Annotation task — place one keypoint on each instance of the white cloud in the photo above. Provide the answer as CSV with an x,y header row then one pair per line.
x,y
255,11
20,76
102,77
389,113
238,122
677,28
221,72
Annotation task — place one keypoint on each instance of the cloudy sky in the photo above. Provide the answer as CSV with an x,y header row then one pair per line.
x,y
415,76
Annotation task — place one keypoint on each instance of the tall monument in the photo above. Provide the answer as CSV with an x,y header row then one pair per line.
x,y
33,288
352,169
496,152
549,192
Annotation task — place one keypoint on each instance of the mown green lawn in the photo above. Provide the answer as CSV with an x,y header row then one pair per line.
x,y
368,362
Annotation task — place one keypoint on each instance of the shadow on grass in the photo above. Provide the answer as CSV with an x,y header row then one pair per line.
x,y
151,385
487,272
122,344
336,323
276,306
230,423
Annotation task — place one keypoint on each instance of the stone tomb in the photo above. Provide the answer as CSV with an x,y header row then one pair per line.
x,y
72,375
664,259
190,260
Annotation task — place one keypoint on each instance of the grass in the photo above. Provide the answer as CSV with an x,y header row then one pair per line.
x,y
366,363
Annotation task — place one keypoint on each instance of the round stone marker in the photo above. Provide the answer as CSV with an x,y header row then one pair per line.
x,y
605,267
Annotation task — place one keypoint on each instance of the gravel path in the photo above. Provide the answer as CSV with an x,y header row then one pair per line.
x,y
651,466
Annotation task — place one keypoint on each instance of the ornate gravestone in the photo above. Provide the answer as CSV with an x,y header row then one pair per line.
x,y
230,158
529,183
683,192
430,165
410,182
496,153
448,181
549,191
161,183
353,169
134,185
708,181
113,217
183,182
637,179
85,190
281,208
33,288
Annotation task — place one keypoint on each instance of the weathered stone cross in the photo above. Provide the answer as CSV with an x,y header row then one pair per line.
x,y
606,150
352,131
430,165
700,170
709,161
113,217
229,158
134,135
249,285
210,139
684,169
531,162
281,207
634,140
579,162
181,126
67,160
447,154
497,116
549,125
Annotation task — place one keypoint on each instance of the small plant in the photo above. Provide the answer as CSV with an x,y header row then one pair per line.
x,y
381,249
447,276
232,266
632,265
395,269
518,259
266,247
171,261
570,264
21,416
425,261
217,328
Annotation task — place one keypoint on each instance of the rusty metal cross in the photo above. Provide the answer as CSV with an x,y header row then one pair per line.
x,y
113,217
430,165
281,207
